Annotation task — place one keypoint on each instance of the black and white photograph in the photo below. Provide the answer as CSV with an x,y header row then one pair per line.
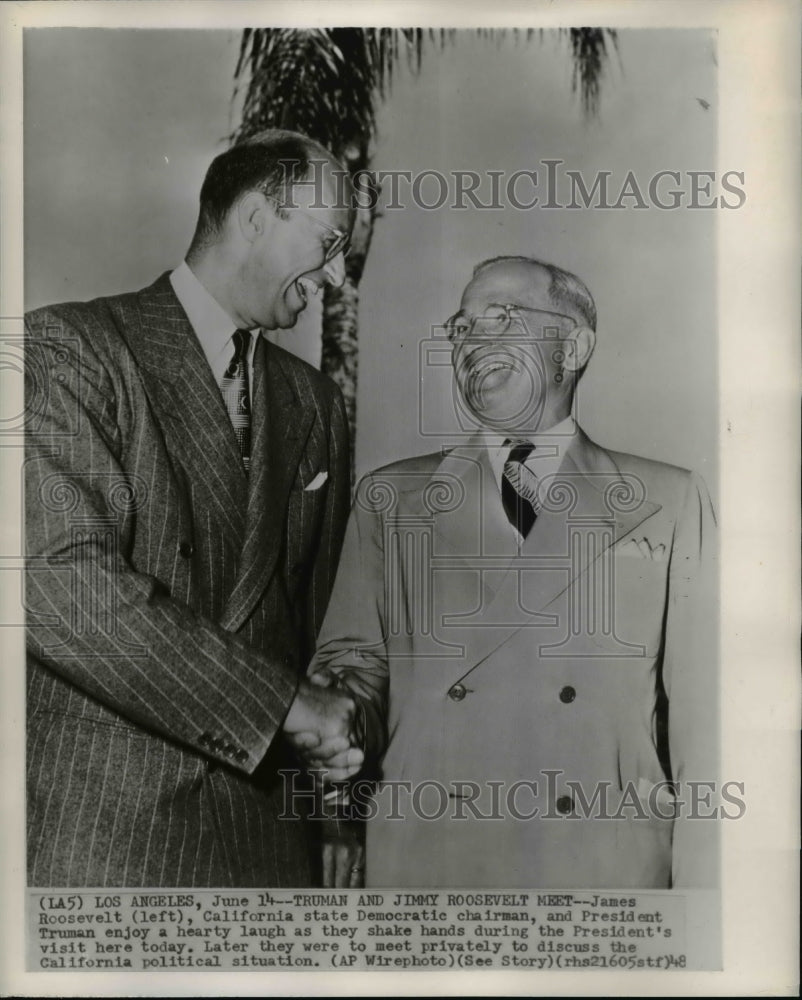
x,y
379,513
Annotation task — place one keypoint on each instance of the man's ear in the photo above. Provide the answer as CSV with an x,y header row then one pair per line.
x,y
578,347
254,215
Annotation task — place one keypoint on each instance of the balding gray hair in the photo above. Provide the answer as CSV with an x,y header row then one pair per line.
x,y
565,289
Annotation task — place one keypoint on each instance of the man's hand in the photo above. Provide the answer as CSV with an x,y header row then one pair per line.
x,y
344,858
319,725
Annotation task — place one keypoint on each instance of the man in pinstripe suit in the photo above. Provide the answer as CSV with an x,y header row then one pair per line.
x,y
180,562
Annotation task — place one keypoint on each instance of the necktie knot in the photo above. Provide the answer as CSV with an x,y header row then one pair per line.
x,y
242,341
519,450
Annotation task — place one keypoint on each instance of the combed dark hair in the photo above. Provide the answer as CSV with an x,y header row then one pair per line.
x,y
272,161
565,289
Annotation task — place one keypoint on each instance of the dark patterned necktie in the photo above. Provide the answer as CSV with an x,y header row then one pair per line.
x,y
236,394
519,488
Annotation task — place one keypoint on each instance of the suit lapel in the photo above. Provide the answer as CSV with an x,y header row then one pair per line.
x,y
474,549
476,526
590,505
189,406
251,511
280,423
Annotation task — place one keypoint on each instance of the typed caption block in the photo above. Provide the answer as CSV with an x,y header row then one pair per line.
x,y
356,930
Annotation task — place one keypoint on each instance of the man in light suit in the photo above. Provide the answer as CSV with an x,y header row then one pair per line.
x,y
527,622
187,486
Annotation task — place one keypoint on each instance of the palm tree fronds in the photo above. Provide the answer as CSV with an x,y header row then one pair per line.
x,y
327,82
589,52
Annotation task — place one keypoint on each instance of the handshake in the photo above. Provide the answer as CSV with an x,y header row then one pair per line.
x,y
323,725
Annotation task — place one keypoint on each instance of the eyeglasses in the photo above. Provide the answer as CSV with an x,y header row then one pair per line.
x,y
336,243
506,321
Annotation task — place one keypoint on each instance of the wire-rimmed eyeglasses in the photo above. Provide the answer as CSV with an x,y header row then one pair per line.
x,y
505,320
337,243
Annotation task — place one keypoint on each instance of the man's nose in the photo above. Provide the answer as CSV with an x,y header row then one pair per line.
x,y
334,270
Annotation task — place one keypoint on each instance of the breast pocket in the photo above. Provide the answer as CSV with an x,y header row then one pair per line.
x,y
305,510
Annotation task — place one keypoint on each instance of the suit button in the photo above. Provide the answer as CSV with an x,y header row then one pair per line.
x,y
241,756
567,694
186,549
457,693
229,749
204,739
565,805
217,744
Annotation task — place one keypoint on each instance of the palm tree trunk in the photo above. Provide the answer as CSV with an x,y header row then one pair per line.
x,y
339,357
339,350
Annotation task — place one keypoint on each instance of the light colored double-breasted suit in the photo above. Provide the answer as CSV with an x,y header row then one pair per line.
x,y
171,600
573,674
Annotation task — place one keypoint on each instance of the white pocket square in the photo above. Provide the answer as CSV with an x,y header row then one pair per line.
x,y
317,482
643,549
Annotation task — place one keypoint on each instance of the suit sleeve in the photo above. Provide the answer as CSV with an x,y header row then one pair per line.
x,y
109,630
690,673
352,642
334,520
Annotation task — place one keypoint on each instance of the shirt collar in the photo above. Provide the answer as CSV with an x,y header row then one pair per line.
x,y
213,326
551,443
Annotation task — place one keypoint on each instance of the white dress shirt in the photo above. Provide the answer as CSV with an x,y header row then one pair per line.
x,y
544,461
213,327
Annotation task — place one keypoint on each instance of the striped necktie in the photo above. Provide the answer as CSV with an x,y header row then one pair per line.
x,y
235,388
519,487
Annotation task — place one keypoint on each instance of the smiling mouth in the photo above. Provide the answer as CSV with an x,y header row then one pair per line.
x,y
488,367
481,363
306,288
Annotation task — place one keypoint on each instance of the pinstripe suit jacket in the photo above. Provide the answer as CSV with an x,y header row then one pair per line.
x,y
171,601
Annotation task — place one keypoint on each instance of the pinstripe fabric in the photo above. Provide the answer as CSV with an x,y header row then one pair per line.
x,y
171,604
